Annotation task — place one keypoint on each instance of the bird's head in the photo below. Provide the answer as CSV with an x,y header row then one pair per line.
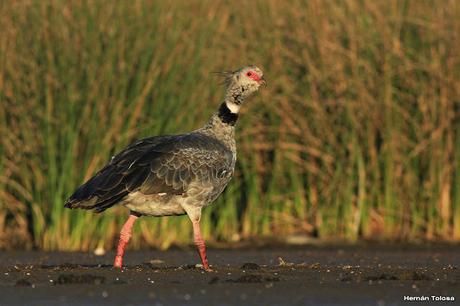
x,y
243,82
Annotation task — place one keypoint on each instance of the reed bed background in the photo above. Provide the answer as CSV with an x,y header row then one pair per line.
x,y
356,137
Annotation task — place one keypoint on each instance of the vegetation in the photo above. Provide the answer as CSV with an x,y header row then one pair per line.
x,y
356,137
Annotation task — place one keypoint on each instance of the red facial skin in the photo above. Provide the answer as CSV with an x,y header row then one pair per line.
x,y
251,74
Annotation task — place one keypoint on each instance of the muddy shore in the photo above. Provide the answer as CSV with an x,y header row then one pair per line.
x,y
309,275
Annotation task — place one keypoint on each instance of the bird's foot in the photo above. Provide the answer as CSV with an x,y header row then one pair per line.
x,y
205,268
118,263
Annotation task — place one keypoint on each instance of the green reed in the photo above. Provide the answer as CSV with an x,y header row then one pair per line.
x,y
356,137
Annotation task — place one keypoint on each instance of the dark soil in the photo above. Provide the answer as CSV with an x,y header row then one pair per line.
x,y
340,275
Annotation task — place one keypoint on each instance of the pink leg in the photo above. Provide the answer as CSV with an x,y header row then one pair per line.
x,y
199,242
125,235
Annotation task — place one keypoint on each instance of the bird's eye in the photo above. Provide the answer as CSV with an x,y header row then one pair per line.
x,y
249,73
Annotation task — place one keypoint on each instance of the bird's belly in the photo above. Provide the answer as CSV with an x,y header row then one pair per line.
x,y
153,205
203,194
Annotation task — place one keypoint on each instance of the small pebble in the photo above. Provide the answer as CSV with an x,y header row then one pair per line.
x,y
99,251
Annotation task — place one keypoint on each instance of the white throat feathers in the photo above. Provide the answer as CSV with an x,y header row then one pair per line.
x,y
233,107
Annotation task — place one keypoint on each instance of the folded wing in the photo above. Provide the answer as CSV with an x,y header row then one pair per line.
x,y
166,164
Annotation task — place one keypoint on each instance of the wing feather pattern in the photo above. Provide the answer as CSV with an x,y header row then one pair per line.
x,y
165,164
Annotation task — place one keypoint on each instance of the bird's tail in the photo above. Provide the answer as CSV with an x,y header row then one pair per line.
x,y
89,196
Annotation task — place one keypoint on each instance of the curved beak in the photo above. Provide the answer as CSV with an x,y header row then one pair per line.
x,y
263,82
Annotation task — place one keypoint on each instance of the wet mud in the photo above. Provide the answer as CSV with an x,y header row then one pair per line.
x,y
310,275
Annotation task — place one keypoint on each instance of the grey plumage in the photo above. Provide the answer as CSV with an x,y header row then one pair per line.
x,y
164,164
173,175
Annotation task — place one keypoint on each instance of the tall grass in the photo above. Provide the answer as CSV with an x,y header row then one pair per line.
x,y
357,135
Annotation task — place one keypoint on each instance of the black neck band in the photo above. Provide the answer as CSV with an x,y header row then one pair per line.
x,y
226,115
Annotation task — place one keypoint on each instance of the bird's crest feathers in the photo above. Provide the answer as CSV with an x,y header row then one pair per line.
x,y
226,77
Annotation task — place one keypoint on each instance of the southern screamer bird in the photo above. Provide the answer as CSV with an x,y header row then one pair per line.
x,y
173,175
